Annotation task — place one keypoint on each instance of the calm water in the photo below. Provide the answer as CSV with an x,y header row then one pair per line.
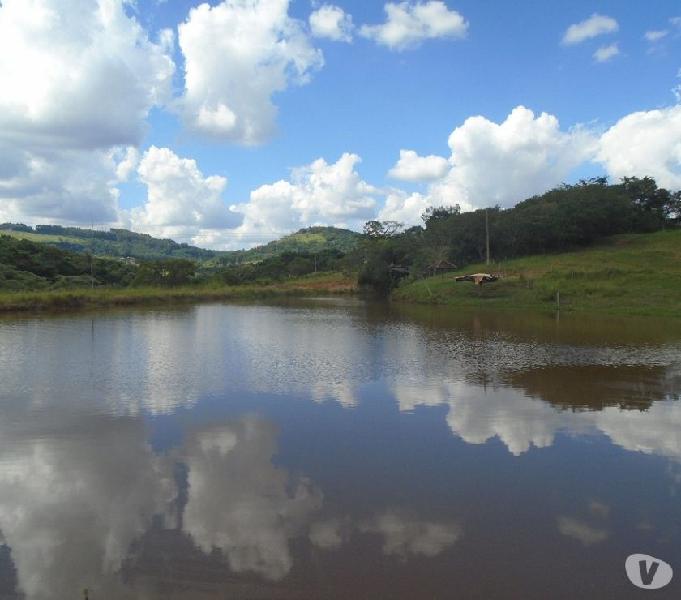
x,y
336,449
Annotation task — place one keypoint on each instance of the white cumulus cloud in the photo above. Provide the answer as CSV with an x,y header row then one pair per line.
x,y
79,78
405,208
237,55
412,167
127,161
592,27
181,202
503,163
499,163
77,74
65,186
645,143
408,24
331,22
317,194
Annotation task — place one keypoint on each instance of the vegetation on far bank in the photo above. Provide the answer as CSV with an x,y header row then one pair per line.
x,y
563,219
67,299
625,274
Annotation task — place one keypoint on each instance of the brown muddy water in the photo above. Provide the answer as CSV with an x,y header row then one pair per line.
x,y
336,449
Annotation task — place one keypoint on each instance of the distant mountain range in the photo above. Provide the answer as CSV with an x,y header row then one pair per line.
x,y
123,243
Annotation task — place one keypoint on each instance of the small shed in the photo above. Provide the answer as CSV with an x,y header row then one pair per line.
x,y
441,266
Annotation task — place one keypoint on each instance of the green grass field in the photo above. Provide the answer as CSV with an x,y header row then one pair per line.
x,y
627,274
323,283
42,238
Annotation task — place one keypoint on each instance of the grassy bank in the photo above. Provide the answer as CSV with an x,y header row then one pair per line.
x,y
320,284
627,274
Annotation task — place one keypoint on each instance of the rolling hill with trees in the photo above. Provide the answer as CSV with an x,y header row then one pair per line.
x,y
116,243
51,257
120,243
311,241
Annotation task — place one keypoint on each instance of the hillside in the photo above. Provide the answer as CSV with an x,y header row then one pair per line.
x,y
626,274
121,243
27,265
114,243
312,240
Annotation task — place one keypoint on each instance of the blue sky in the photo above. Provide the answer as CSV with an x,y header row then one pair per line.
x,y
371,100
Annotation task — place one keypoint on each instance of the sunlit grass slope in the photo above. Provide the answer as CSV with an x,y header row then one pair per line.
x,y
626,274
41,238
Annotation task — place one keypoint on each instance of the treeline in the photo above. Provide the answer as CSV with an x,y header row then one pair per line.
x,y
286,265
26,265
568,217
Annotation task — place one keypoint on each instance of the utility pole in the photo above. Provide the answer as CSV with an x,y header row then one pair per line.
x,y
487,237
92,271
92,262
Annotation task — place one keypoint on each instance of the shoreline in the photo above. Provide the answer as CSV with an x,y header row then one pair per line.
x,y
423,293
82,299
626,275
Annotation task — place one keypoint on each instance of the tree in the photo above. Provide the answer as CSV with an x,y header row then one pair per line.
x,y
657,204
381,229
169,272
435,213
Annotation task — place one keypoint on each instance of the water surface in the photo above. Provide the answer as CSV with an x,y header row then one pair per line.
x,y
336,449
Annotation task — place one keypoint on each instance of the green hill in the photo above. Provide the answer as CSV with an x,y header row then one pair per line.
x,y
626,274
120,243
27,265
116,243
312,240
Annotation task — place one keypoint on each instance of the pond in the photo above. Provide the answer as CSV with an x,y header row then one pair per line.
x,y
335,448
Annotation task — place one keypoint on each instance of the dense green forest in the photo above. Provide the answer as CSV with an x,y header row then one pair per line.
x,y
26,265
565,218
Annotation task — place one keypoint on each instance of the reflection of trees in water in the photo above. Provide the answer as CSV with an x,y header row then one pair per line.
x,y
9,583
593,387
536,327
